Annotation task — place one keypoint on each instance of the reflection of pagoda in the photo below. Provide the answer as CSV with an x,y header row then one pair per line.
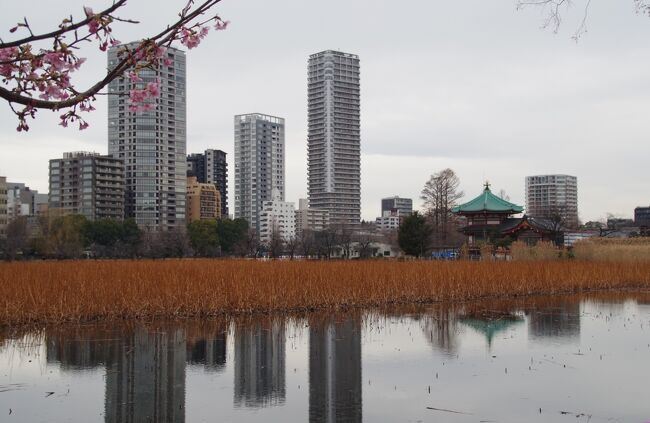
x,y
260,364
489,219
145,378
335,371
561,322
490,327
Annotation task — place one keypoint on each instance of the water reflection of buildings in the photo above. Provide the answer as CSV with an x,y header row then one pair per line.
x,y
145,378
260,364
441,330
145,368
79,350
335,371
558,320
208,351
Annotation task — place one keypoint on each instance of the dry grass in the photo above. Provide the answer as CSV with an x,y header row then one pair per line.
x,y
519,250
76,291
604,249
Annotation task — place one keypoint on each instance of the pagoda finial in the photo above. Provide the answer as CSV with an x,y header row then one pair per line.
x,y
487,185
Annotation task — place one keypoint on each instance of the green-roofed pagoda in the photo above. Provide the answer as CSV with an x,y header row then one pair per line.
x,y
490,219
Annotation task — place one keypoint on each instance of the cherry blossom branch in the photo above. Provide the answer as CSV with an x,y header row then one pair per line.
x,y
48,71
62,28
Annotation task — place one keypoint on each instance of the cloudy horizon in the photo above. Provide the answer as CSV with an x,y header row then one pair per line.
x,y
475,86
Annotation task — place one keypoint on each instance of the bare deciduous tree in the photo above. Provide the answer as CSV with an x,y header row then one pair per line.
x,y
440,195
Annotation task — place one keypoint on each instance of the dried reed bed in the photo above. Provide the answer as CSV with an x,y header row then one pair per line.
x,y
77,291
605,249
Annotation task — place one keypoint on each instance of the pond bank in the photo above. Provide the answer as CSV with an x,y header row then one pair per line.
x,y
79,291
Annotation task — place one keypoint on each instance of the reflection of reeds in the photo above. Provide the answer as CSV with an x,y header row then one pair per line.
x,y
94,290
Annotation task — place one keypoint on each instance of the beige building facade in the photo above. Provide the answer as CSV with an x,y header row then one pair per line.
x,y
203,201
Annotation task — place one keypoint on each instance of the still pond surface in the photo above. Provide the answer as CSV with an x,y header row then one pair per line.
x,y
562,359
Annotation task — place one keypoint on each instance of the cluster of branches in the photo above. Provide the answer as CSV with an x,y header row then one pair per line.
x,y
36,69
440,194
334,241
555,8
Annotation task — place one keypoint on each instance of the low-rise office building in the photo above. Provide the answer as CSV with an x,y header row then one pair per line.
x,y
87,184
277,218
642,216
403,205
203,200
390,220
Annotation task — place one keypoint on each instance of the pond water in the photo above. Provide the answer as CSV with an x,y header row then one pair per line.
x,y
573,359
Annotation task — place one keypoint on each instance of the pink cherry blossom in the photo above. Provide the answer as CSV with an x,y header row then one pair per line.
x,y
93,26
153,89
221,25
134,77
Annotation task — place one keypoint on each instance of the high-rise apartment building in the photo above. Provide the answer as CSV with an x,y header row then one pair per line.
x,y
3,206
203,201
334,136
403,205
259,164
87,184
211,167
550,196
151,143
310,219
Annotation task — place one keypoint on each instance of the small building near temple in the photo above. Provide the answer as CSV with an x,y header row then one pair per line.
x,y
490,219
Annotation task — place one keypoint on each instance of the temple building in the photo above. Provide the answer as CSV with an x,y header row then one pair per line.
x,y
490,219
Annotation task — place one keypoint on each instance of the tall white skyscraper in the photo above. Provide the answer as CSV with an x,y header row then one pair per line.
x,y
550,196
259,164
151,143
334,136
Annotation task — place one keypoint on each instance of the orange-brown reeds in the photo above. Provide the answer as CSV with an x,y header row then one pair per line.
x,y
74,291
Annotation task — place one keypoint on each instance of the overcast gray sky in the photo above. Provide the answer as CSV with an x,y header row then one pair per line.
x,y
473,85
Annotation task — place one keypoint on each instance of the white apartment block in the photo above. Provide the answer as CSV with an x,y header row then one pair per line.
x,y
551,194
334,135
389,220
259,164
311,219
152,144
277,217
